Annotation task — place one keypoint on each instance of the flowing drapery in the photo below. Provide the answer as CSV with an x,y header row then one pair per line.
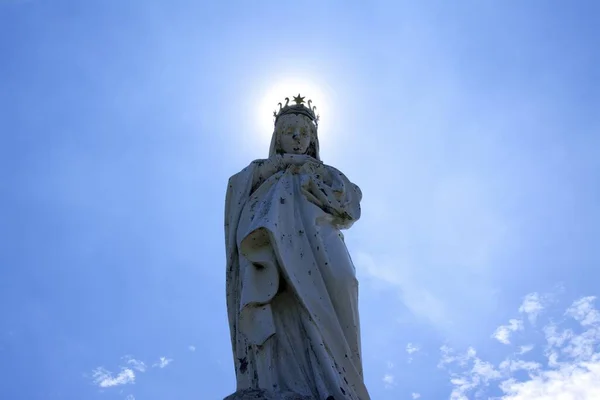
x,y
292,293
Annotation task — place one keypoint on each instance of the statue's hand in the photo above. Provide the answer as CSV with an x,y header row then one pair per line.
x,y
298,159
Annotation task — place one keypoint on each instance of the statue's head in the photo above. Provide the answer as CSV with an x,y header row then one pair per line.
x,y
295,130
294,133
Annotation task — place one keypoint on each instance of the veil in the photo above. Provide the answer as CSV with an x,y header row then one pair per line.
x,y
313,147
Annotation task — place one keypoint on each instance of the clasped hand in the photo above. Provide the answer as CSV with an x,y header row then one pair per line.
x,y
297,161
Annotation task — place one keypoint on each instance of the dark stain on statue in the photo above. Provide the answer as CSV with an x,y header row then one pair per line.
x,y
243,364
282,200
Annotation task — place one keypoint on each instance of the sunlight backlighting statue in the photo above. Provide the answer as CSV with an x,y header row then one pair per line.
x,y
292,293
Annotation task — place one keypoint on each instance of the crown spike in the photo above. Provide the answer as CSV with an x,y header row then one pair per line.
x,y
299,99
298,108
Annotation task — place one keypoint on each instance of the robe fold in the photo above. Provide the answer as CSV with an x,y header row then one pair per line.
x,y
292,293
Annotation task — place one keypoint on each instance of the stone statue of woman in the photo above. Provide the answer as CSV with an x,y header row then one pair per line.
x,y
292,293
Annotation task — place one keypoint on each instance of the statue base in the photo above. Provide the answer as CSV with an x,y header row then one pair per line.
x,y
261,394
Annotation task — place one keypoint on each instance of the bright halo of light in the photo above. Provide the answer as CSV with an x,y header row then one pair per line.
x,y
290,88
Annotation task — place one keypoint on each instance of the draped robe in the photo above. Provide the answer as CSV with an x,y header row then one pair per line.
x,y
292,293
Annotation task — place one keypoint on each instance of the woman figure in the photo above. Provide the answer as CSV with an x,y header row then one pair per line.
x,y
292,293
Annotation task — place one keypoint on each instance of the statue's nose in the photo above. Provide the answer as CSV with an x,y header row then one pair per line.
x,y
295,135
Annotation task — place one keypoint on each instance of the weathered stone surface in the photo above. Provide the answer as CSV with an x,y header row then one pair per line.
x,y
260,394
292,291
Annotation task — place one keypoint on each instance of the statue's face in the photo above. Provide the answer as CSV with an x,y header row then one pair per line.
x,y
294,133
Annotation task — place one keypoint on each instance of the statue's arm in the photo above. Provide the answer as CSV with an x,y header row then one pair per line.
x,y
265,168
269,166
339,196
239,188
237,192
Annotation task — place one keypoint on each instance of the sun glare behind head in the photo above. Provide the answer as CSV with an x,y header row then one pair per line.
x,y
289,88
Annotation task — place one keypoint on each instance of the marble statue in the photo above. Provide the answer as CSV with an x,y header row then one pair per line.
x,y
292,292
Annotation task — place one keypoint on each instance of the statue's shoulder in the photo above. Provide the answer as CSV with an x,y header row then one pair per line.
x,y
336,174
257,162
334,171
245,174
249,168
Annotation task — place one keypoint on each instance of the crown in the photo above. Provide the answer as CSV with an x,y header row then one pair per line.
x,y
298,108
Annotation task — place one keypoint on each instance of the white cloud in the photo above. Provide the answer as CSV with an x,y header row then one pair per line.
x,y
526,349
411,348
519,365
484,370
130,397
584,312
503,332
388,379
415,396
105,379
192,348
532,306
555,338
135,364
572,370
163,362
449,356
475,373
570,381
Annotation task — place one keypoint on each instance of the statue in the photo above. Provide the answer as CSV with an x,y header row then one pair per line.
x,y
292,292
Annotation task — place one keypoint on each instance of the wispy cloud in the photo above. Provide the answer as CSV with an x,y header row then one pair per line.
x,y
135,364
450,356
130,397
105,378
192,348
503,332
411,348
419,300
388,380
162,362
525,349
510,365
572,368
569,381
415,396
474,372
532,306
583,311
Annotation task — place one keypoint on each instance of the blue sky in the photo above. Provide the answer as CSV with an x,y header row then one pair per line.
x,y
472,128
